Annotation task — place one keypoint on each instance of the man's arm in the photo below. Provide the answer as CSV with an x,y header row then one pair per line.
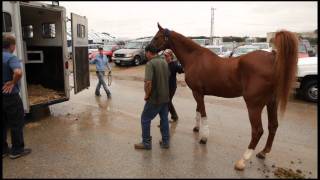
x,y
93,61
147,89
148,81
14,64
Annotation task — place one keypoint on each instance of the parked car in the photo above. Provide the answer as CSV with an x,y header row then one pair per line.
x,y
201,42
131,54
115,45
107,50
307,81
311,51
242,50
93,47
219,50
302,50
263,46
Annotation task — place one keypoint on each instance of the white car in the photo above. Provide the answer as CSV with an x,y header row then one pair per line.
x,y
307,82
219,50
93,47
263,46
242,50
201,42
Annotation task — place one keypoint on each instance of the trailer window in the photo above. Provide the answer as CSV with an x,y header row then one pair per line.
x,y
48,30
7,23
27,31
81,31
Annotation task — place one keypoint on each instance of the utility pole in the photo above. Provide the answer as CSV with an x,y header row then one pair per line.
x,y
212,22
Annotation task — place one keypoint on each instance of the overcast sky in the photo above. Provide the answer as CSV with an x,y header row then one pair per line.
x,y
137,19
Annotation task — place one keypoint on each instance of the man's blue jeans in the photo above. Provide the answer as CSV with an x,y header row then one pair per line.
x,y
150,111
101,81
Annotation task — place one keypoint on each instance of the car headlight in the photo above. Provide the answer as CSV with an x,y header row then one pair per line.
x,y
129,55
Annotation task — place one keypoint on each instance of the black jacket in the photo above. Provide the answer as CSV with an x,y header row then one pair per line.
x,y
174,67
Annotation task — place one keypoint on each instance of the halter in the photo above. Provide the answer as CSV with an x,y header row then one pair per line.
x,y
166,34
166,37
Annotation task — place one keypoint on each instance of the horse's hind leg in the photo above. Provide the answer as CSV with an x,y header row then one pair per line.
x,y
272,127
201,116
256,133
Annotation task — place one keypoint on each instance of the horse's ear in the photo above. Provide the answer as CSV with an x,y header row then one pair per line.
x,y
160,28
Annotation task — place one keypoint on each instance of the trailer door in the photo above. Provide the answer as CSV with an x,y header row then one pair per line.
x,y
79,29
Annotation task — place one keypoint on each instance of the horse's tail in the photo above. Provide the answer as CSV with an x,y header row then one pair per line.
x,y
285,65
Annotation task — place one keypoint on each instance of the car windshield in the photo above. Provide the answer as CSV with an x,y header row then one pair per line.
x,y
261,46
244,50
199,41
302,48
107,48
93,46
215,50
133,45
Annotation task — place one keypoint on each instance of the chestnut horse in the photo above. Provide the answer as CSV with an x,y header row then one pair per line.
x,y
262,78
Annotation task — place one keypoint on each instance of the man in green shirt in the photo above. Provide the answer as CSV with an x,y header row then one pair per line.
x,y
157,97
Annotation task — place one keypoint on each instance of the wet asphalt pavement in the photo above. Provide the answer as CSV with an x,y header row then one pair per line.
x,y
93,137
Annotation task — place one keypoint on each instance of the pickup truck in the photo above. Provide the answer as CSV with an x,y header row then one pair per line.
x,y
307,82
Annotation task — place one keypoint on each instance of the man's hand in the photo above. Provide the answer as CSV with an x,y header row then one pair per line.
x,y
7,87
147,89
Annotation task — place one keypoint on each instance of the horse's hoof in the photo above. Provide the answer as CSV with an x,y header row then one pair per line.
x,y
239,165
261,155
203,141
196,129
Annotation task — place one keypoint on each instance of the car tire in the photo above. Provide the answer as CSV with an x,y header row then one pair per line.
x,y
310,90
137,60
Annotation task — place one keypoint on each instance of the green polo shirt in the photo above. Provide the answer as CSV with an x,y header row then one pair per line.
x,y
157,71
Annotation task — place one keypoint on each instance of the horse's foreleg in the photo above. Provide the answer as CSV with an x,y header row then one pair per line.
x,y
201,116
256,133
272,127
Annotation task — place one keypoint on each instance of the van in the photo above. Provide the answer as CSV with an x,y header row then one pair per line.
x,y
41,43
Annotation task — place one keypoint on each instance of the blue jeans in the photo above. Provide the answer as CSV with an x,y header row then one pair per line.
x,y
100,75
150,111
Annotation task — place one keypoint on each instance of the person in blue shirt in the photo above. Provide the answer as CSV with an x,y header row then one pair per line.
x,y
101,61
12,107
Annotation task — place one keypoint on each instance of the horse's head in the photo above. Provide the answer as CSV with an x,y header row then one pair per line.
x,y
161,39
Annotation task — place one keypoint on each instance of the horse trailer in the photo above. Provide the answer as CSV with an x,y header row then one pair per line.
x,y
41,44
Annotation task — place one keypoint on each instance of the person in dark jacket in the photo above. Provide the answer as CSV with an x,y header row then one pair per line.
x,y
174,68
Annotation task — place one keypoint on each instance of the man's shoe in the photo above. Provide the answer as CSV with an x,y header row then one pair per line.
x,y
23,153
98,94
109,95
141,146
164,145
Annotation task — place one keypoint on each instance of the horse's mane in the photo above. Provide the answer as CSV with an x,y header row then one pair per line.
x,y
187,42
